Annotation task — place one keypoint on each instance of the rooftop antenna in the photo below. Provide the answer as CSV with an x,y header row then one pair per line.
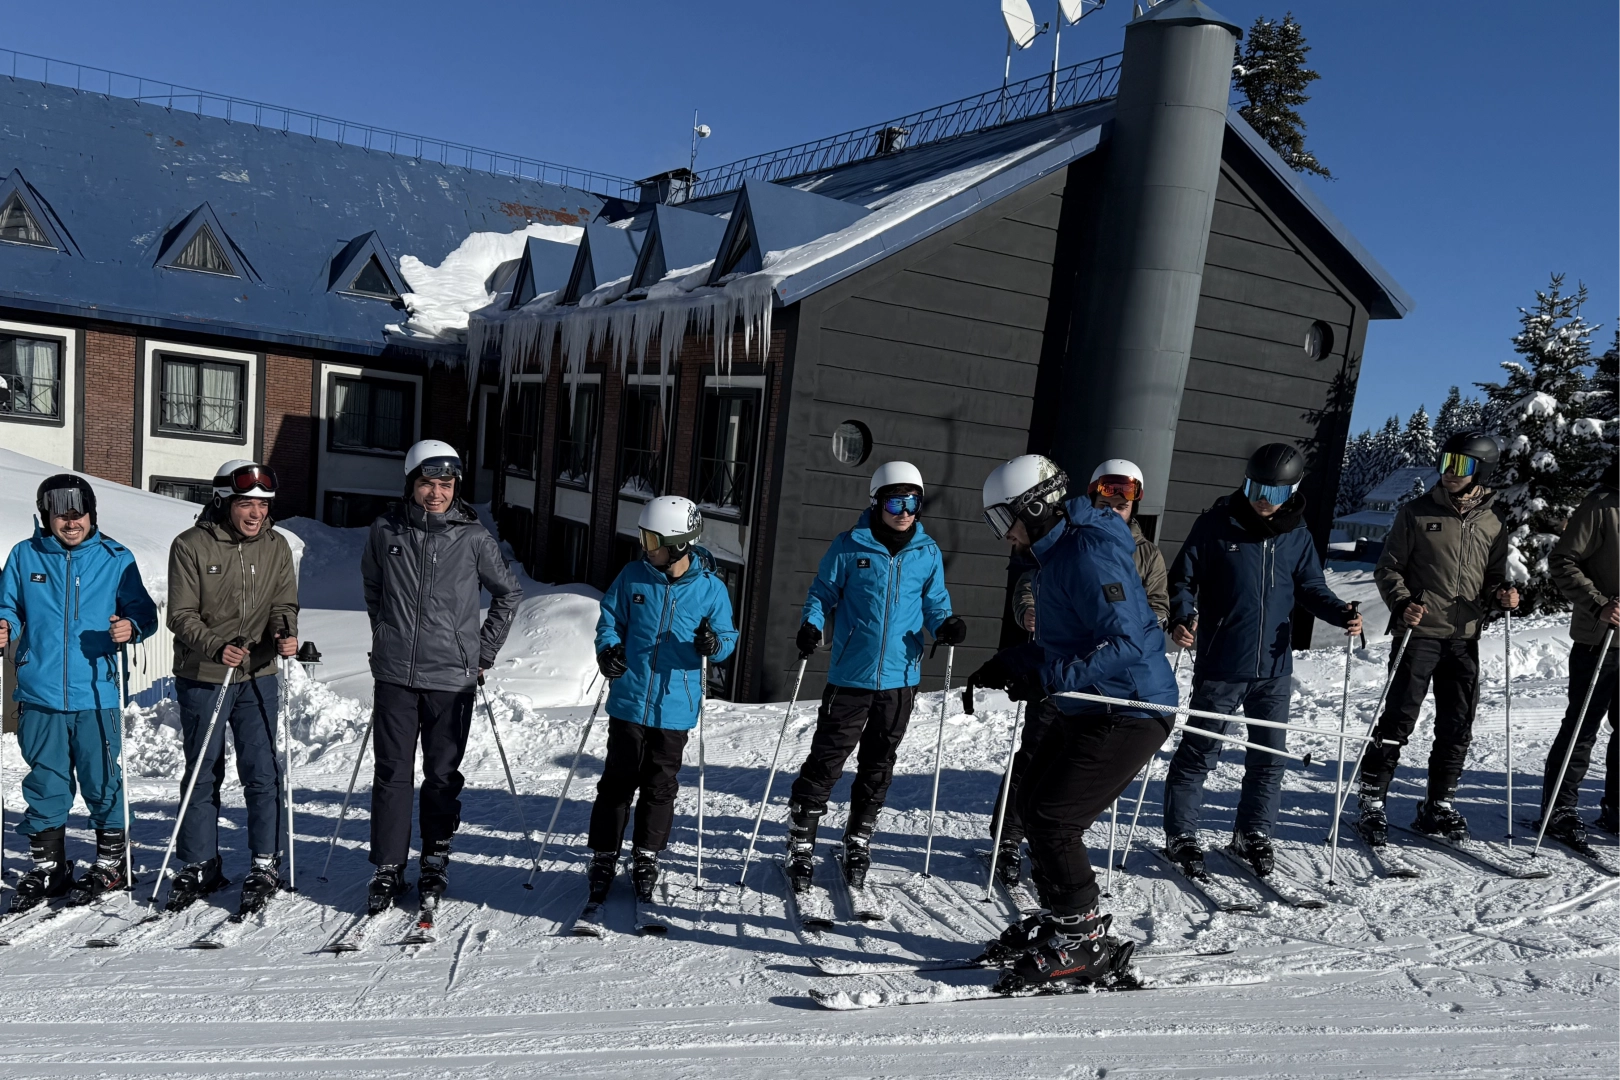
x,y
1021,32
1071,12
699,131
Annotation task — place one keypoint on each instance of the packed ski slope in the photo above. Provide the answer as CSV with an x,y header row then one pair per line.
x,y
1460,973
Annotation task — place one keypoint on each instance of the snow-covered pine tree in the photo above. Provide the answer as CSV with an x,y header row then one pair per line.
x,y
1417,442
1388,450
1457,414
1355,478
1553,447
1272,76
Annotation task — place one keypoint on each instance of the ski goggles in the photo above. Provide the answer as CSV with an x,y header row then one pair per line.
x,y
246,478
64,502
651,541
1275,494
440,468
1001,518
896,505
1458,465
1114,487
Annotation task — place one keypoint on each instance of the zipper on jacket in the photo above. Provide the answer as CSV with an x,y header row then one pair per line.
x,y
67,626
1260,631
889,592
421,590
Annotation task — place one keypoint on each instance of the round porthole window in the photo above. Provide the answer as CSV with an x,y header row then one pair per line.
x,y
1318,341
851,442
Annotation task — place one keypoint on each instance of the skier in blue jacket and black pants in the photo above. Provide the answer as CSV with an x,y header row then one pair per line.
x,y
71,597
661,618
1247,561
881,583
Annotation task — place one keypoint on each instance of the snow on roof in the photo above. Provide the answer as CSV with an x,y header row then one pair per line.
x,y
442,296
1399,484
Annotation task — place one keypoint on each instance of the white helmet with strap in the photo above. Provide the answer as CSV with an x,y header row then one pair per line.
x,y
432,458
896,474
1117,469
249,479
1030,488
670,521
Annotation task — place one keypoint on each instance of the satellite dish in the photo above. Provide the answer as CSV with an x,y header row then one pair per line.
x,y
1072,10
1020,22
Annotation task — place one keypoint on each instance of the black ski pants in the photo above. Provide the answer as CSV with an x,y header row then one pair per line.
x,y
639,759
1452,664
1583,665
1084,763
1037,718
873,720
440,720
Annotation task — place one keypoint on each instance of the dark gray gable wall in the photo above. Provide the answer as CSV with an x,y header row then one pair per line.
x,y
935,349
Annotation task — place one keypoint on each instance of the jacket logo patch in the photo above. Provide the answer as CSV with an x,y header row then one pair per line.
x,y
638,598
1433,526
1114,592
863,563
36,577
395,549
1231,545
216,568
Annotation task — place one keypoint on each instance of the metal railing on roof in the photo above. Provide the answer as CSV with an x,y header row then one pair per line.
x,y
1079,84
94,80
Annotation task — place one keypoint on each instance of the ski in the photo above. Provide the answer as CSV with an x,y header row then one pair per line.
x,y
1484,854
863,904
423,931
14,927
1022,895
232,928
652,916
1219,894
109,934
829,965
589,921
811,909
1277,883
1585,851
845,1001
1391,862
352,937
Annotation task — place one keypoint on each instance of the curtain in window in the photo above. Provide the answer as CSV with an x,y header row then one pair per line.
x,y
350,399
221,400
34,389
179,395
388,413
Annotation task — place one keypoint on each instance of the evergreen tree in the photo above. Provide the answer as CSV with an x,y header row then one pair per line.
x,y
1457,414
1418,446
1549,413
1388,451
1355,478
1272,76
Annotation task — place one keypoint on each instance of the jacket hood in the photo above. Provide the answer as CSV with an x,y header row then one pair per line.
x,y
1479,497
47,542
1290,516
220,529
459,513
863,533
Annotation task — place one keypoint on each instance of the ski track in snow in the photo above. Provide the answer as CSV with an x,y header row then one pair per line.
x,y
1461,973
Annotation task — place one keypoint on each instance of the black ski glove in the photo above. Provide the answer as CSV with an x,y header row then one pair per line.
x,y
809,639
705,640
953,631
610,661
1016,670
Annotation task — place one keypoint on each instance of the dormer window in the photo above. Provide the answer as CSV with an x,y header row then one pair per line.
x,y
18,226
372,280
204,254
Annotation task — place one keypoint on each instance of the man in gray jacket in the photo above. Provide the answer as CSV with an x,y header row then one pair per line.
x,y
423,566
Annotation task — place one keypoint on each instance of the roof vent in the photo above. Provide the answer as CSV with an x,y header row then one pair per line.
x,y
669,188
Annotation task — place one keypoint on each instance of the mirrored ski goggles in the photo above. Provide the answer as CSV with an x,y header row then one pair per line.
x,y
1458,465
1275,494
440,468
247,478
895,505
1114,487
1001,519
651,541
64,502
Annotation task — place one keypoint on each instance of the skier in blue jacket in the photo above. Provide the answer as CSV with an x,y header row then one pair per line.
x,y
881,583
1095,633
661,618
1246,563
70,599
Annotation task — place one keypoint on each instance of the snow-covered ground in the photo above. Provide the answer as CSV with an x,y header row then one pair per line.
x,y
1459,974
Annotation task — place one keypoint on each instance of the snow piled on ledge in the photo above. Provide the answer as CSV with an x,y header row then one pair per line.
x,y
443,296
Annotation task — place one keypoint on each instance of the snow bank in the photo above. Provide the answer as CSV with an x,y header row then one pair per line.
x,y
442,296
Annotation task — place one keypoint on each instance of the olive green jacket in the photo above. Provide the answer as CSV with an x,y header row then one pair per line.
x,y
1585,564
1451,561
1149,567
223,587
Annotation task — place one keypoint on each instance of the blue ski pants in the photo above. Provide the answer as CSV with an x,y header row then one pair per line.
x,y
61,747
1261,797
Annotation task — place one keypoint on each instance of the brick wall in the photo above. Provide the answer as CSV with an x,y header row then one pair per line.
x,y
109,405
289,427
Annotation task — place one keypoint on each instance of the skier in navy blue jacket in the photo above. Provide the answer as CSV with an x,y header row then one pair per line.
x,y
882,583
1246,563
660,619
1095,633
70,599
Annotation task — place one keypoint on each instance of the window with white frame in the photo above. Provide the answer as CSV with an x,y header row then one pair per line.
x,y
371,414
30,377
205,398
725,457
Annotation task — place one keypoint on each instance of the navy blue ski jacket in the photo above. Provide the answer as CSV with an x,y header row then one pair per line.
x,y
1093,624
1241,581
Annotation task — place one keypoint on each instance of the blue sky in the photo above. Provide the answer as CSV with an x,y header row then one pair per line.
x,y
1475,145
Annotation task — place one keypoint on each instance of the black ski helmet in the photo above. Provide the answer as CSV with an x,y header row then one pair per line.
x,y
1479,446
1276,463
63,492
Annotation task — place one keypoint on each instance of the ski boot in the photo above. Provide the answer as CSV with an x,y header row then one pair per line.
x,y
261,883
643,873
1185,853
1010,863
387,883
434,877
1437,817
1074,949
858,852
106,874
1608,820
1567,828
52,875
193,882
802,823
1372,823
1255,849
1017,939
604,864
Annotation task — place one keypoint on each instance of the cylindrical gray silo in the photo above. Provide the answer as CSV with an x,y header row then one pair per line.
x,y
1127,361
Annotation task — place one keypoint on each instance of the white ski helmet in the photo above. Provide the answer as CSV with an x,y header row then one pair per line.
x,y
1118,467
239,476
434,458
670,521
894,474
1029,488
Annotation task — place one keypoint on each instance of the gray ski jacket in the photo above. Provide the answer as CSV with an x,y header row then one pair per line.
x,y
422,574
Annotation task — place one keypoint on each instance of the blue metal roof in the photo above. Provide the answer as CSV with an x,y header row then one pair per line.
x,y
122,181
605,254
770,217
676,239
544,267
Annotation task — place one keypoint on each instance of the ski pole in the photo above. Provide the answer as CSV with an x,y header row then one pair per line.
x,y
1303,759
1001,807
286,757
1394,666
1147,772
703,699
123,758
359,756
494,729
939,745
1507,712
191,784
1075,695
1113,826
770,777
1574,735
1344,720
562,796
3,700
